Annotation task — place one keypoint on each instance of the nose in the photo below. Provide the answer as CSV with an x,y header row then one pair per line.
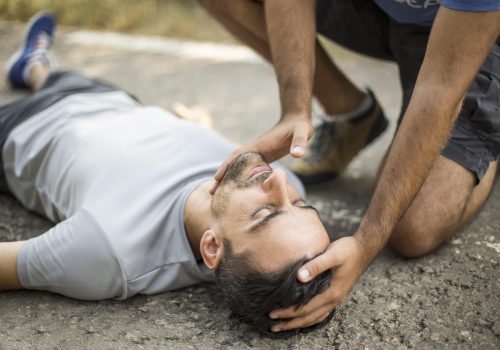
x,y
276,186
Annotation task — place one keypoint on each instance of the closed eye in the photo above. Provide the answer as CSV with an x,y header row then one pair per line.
x,y
267,212
265,219
262,212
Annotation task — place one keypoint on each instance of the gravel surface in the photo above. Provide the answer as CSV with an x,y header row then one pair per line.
x,y
448,299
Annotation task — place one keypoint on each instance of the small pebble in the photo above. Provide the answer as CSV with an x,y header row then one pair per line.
x,y
160,322
394,306
428,269
465,334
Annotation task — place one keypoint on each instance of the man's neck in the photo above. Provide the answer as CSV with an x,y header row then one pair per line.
x,y
198,215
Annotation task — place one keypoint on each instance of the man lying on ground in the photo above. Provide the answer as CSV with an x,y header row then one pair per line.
x,y
133,208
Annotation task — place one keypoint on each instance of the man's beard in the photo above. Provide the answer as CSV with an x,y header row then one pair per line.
x,y
233,180
238,166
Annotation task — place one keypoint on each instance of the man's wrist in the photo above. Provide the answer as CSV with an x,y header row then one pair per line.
x,y
298,115
368,244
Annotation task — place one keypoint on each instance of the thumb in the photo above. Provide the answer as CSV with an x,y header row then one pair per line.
x,y
318,265
219,174
299,141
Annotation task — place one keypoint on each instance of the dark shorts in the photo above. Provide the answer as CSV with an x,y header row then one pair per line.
x,y
363,27
58,86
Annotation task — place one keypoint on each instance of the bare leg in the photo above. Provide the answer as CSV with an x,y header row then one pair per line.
x,y
37,75
246,21
447,201
8,265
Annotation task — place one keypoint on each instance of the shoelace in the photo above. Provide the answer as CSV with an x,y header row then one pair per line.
x,y
42,46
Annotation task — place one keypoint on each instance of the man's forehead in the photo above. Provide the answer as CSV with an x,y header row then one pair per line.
x,y
279,245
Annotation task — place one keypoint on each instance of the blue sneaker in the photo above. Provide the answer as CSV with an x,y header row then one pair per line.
x,y
37,42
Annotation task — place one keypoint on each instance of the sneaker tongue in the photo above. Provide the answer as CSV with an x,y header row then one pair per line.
x,y
42,45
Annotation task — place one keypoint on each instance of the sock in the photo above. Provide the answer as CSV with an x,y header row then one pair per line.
x,y
362,108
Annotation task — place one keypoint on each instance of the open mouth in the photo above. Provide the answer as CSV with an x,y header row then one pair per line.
x,y
258,170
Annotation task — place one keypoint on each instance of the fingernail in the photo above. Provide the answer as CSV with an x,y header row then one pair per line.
x,y
304,274
276,329
273,316
213,187
297,149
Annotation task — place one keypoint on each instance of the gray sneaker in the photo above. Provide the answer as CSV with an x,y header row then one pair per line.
x,y
334,144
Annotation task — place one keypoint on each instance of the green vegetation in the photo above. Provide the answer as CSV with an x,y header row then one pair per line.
x,y
175,18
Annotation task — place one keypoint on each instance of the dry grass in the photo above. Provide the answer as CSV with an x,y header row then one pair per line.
x,y
174,18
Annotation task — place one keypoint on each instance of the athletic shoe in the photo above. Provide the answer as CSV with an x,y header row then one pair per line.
x,y
37,42
334,144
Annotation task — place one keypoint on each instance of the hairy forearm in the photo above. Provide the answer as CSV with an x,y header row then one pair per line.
x,y
458,45
291,30
414,150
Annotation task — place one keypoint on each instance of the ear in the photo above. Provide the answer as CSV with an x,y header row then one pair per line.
x,y
211,249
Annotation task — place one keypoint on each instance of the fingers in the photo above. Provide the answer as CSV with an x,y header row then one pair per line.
x,y
299,140
180,110
290,312
222,170
320,301
328,260
304,321
273,145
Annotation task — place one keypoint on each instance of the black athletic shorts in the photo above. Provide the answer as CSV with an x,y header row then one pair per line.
x,y
58,86
363,27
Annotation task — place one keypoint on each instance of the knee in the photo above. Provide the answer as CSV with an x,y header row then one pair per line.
x,y
209,5
411,241
215,6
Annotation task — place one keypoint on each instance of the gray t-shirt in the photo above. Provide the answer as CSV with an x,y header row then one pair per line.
x,y
115,175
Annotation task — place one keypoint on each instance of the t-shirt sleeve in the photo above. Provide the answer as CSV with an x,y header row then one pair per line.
x,y
74,259
472,5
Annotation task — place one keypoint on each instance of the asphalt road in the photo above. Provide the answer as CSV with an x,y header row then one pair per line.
x,y
448,299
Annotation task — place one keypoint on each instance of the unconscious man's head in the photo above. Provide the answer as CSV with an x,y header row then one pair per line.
x,y
264,232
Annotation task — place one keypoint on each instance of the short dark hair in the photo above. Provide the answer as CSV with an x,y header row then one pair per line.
x,y
251,294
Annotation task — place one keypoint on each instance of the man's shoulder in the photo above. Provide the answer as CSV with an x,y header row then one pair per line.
x,y
472,6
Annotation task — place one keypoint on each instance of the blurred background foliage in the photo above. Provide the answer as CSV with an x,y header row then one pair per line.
x,y
174,18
